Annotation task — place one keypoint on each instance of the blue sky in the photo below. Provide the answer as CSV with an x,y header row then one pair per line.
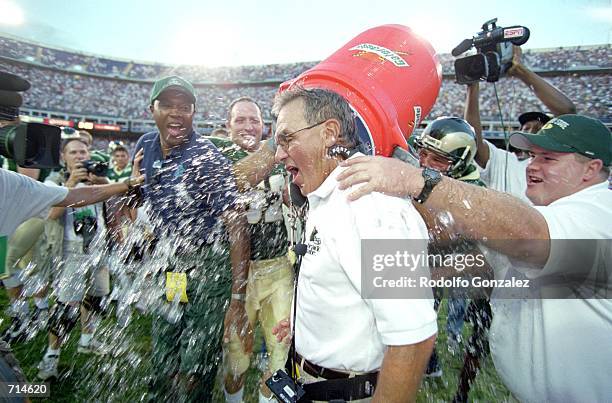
x,y
257,32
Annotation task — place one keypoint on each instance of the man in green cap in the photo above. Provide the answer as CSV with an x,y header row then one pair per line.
x,y
546,340
189,196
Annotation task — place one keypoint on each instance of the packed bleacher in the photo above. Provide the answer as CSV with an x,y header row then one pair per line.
x,y
558,59
88,85
76,93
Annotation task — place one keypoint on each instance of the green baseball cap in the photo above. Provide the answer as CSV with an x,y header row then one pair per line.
x,y
570,134
175,82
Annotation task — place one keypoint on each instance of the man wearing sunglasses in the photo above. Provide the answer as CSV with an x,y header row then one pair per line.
x,y
189,196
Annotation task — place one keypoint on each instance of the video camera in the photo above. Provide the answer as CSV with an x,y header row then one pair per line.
x,y
494,57
30,145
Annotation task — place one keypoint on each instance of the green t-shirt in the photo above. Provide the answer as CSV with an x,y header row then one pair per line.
x,y
264,213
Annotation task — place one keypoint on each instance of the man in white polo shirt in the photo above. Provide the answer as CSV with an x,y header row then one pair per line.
x,y
552,344
361,344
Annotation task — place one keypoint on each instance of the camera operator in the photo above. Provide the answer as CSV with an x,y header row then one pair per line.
x,y
502,170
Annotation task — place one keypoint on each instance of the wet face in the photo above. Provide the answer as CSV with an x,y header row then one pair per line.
x,y
552,175
120,159
246,125
432,160
73,153
173,114
532,126
302,153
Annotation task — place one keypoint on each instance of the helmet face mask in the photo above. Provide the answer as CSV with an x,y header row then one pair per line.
x,y
452,139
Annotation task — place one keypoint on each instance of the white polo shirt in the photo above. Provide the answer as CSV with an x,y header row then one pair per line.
x,y
560,350
335,328
504,172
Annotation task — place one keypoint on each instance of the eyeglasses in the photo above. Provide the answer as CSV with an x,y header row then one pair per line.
x,y
283,139
182,109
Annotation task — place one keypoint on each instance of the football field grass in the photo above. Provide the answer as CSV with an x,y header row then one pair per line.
x,y
122,375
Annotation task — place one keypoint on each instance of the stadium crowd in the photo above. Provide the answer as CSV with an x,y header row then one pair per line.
x,y
559,59
164,254
69,92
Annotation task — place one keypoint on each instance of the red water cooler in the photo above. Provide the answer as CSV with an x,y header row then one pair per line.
x,y
391,78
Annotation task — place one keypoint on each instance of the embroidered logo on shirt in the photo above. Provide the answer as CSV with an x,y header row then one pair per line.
x,y
180,170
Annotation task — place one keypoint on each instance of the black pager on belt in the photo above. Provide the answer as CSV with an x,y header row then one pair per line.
x,y
284,388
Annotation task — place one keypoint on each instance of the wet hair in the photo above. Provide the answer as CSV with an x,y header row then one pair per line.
x,y
319,105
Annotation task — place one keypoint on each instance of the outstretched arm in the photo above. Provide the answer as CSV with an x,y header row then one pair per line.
x,y
253,169
555,100
82,196
478,213
472,116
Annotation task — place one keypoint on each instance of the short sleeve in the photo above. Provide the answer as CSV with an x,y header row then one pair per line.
x,y
25,198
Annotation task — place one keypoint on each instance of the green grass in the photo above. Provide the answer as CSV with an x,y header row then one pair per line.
x,y
123,376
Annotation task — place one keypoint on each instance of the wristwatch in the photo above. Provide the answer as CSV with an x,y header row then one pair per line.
x,y
432,178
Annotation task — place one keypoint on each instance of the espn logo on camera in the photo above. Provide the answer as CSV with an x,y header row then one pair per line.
x,y
514,32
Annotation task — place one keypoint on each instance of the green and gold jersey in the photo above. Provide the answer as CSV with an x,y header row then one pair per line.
x,y
265,206
115,175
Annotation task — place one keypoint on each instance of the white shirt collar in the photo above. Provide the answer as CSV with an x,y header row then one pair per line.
x,y
329,184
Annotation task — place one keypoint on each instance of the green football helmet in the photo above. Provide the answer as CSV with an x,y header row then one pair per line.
x,y
452,138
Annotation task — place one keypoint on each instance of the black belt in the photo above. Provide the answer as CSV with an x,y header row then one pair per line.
x,y
321,372
318,371
337,385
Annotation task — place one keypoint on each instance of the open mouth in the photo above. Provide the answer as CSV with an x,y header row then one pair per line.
x,y
531,180
293,171
176,129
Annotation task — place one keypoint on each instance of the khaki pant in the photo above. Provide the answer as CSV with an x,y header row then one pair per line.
x,y
268,301
19,251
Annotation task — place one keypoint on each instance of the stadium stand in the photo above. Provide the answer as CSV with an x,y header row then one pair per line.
x,y
76,86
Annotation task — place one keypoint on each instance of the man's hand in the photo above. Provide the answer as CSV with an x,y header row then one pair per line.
x,y
77,175
282,331
137,161
517,65
237,321
389,176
